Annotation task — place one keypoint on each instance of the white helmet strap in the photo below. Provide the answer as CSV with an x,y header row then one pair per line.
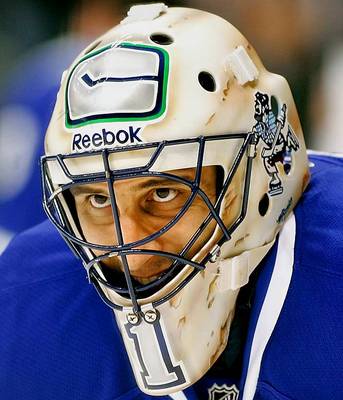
x,y
242,66
234,272
144,12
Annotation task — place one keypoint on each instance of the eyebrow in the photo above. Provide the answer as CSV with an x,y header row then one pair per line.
x,y
151,183
88,189
147,184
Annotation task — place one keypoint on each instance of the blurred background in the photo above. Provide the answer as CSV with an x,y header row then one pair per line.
x,y
300,39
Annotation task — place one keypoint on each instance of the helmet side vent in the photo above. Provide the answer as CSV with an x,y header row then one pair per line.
x,y
263,205
161,39
207,81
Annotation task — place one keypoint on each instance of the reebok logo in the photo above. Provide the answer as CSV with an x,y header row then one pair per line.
x,y
105,139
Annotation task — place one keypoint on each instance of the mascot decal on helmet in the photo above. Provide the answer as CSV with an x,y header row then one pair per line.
x,y
277,146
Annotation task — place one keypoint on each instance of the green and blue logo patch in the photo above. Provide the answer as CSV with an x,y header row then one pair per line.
x,y
123,82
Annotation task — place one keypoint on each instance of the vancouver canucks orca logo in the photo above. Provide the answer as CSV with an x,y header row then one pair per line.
x,y
277,144
123,82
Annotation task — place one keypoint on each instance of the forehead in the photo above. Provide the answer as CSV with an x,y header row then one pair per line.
x,y
208,178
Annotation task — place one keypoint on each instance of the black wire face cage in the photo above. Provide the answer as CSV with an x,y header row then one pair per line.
x,y
57,212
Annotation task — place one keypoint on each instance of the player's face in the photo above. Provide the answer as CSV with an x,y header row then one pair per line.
x,y
145,205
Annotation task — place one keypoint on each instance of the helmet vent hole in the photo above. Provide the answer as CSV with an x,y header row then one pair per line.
x,y
275,105
263,205
207,81
161,38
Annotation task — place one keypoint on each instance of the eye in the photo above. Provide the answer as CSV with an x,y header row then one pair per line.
x,y
100,201
164,194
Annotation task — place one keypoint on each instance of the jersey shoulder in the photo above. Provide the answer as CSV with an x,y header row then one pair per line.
x,y
307,332
36,254
323,166
319,216
56,335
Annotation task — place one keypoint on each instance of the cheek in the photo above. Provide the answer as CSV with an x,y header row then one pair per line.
x,y
96,234
233,203
187,226
197,213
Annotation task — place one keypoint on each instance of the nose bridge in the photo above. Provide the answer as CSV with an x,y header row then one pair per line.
x,y
134,224
135,228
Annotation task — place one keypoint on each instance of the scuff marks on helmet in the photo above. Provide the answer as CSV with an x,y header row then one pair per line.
x,y
210,303
240,240
210,119
175,302
226,90
181,322
231,197
211,292
223,338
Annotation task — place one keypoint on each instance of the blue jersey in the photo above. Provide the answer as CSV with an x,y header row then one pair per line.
x,y
59,341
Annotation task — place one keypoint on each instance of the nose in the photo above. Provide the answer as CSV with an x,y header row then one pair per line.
x,y
134,229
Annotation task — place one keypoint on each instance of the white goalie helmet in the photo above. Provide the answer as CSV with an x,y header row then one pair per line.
x,y
170,90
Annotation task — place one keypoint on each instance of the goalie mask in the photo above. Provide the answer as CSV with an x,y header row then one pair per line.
x,y
172,160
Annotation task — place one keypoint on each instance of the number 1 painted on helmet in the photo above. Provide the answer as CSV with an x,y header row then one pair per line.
x,y
157,369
